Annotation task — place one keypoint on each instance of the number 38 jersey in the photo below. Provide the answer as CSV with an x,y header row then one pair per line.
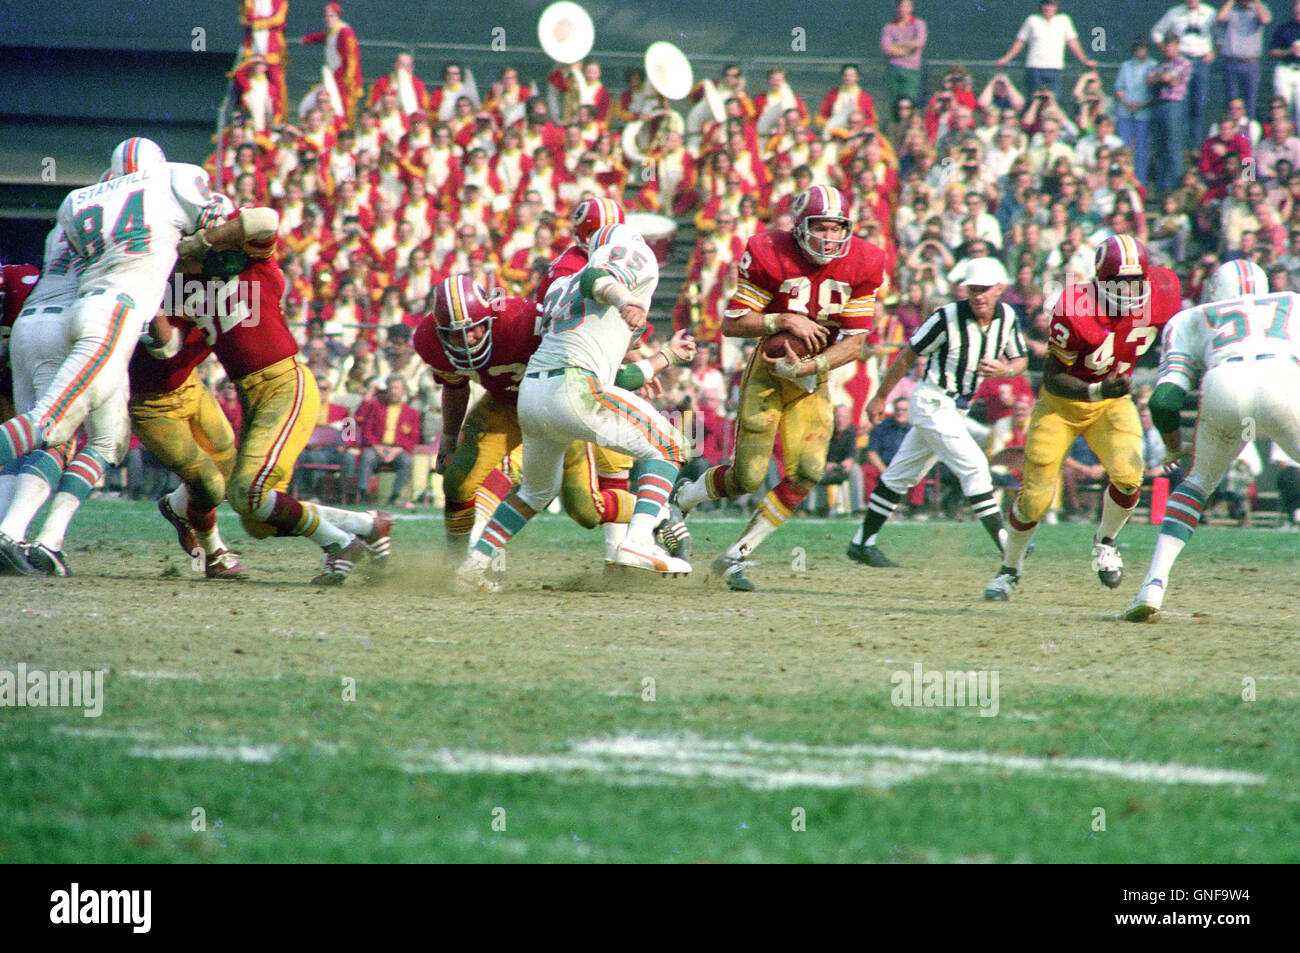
x,y
124,232
1090,343
580,332
776,278
1201,338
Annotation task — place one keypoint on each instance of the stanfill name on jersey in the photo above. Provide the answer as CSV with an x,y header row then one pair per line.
x,y
94,191
103,907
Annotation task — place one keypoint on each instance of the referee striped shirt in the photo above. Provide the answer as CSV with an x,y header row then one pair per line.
x,y
955,344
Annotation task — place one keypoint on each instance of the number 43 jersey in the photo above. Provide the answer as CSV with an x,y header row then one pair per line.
x,y
776,278
1091,343
1200,339
124,232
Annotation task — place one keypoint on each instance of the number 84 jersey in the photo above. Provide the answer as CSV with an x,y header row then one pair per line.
x,y
1091,342
776,278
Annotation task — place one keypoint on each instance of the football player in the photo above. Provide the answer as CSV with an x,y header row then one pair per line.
x,y
568,393
123,234
246,329
818,282
1242,352
1098,331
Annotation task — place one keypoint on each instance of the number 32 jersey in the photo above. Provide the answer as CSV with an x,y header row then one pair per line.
x,y
1200,339
1090,343
776,278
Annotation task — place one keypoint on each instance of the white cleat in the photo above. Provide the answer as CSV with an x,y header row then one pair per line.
x,y
473,574
1108,563
1145,606
1002,586
641,554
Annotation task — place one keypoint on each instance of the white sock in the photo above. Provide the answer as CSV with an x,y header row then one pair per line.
x,y
642,526
327,534
1167,549
211,541
30,493
614,535
762,524
859,541
62,509
1113,517
481,517
359,524
1017,542
693,493
179,499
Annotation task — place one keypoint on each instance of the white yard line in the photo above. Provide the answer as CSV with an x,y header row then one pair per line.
x,y
247,754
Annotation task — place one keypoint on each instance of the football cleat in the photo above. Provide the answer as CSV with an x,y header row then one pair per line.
x,y
222,564
672,534
13,559
1145,606
337,562
474,574
732,570
641,554
185,534
1002,586
48,562
1108,562
869,556
379,544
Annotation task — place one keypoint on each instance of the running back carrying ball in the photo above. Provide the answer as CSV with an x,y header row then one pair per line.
x,y
775,346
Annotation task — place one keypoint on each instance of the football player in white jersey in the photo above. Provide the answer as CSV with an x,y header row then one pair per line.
x,y
568,393
1242,349
38,347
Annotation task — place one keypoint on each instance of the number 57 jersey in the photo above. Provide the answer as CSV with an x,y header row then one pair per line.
x,y
1255,327
1091,342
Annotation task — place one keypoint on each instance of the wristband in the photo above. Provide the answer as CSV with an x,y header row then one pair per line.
x,y
1094,391
771,323
823,364
647,370
671,356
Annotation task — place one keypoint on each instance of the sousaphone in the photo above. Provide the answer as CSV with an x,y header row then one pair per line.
x,y
566,32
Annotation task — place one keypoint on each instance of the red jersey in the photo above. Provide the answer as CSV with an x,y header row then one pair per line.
x,y
1091,343
149,375
514,338
19,280
572,261
242,321
775,277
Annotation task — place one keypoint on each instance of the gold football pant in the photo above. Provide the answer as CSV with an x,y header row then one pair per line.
x,y
1112,430
281,404
768,406
190,436
581,494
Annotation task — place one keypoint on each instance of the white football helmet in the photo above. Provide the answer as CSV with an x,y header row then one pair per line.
x,y
1235,279
134,154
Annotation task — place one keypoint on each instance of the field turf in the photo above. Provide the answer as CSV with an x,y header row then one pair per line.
x,y
583,717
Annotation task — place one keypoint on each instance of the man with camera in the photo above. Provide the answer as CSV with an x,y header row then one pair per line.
x,y
1242,24
1192,23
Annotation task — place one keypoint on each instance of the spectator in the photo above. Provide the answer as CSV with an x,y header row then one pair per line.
x,y
411,93
388,432
1288,486
843,100
1008,433
335,416
1168,81
1133,112
342,57
902,41
1192,23
842,469
263,22
886,437
1082,469
1281,144
1241,46
1284,47
1046,34
228,400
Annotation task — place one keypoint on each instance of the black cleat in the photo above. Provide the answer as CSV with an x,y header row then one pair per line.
x,y
46,561
1002,586
732,570
13,560
870,556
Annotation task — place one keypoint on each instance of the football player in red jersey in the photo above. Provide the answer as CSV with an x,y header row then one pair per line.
x,y
1098,331
246,329
818,282
16,283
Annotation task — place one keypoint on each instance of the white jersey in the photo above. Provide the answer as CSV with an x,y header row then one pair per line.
x,y
58,285
583,333
124,232
1258,327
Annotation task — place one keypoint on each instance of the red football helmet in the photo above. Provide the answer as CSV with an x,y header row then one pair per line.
x,y
1122,283
820,203
592,215
459,309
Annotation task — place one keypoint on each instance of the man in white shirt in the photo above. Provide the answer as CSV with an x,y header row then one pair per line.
x,y
1046,34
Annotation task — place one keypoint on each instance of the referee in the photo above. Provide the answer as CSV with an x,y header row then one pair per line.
x,y
965,341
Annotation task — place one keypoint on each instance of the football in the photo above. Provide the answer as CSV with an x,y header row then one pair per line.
x,y
774,345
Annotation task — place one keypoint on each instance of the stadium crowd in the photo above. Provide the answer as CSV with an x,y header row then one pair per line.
x,y
384,188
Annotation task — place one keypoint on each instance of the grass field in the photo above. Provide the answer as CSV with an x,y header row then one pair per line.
x,y
575,717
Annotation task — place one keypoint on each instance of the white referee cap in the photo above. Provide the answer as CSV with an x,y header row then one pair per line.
x,y
983,272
